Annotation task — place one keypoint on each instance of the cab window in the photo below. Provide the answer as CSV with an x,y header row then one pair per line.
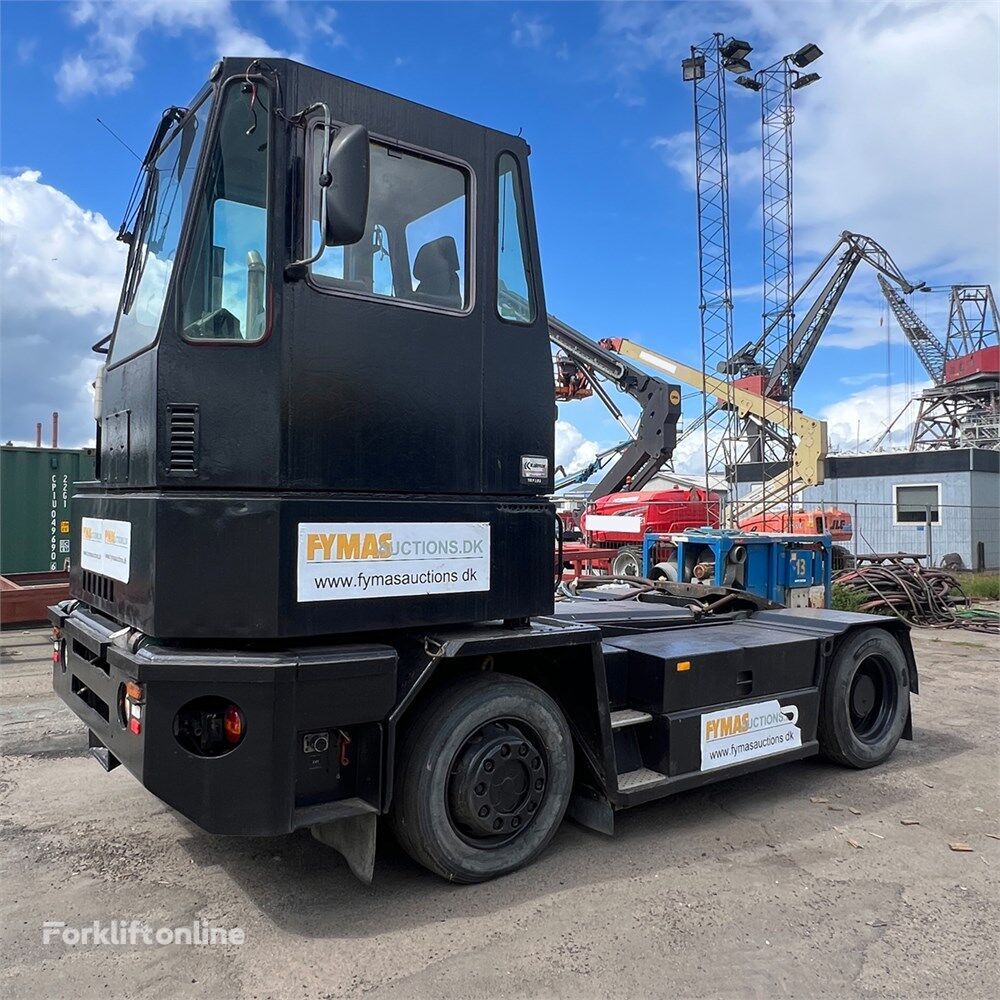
x,y
225,288
416,245
515,300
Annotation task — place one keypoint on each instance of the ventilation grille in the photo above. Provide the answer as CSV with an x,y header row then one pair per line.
x,y
101,587
183,419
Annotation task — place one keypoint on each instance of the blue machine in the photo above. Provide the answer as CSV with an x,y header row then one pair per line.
x,y
792,570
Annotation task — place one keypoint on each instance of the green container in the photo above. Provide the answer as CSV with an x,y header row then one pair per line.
x,y
36,485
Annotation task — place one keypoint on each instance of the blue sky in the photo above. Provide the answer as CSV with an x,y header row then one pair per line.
x,y
885,145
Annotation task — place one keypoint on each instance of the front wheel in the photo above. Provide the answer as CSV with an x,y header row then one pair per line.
x,y
866,700
484,777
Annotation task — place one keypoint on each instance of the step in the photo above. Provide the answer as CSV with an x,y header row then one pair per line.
x,y
632,781
628,717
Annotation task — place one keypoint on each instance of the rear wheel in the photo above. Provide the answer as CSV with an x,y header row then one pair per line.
x,y
484,777
866,700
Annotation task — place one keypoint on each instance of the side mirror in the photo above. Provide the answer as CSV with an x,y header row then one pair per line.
x,y
346,187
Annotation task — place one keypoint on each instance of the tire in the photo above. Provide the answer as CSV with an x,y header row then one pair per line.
x,y
627,561
443,764
866,700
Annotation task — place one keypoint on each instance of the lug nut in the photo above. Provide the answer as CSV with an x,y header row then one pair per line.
x,y
484,811
488,766
515,822
532,806
480,789
536,763
522,750
497,823
505,750
539,785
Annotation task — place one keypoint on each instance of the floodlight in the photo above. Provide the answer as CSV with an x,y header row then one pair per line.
x,y
736,65
735,49
807,54
804,81
693,68
749,82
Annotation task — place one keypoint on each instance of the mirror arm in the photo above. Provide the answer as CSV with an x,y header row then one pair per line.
x,y
297,268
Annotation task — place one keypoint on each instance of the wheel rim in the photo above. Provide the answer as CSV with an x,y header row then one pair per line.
x,y
626,564
497,783
872,698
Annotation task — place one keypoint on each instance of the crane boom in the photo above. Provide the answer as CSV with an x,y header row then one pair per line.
x,y
789,365
654,438
928,348
807,463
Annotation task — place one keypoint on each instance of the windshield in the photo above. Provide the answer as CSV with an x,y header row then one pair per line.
x,y
156,234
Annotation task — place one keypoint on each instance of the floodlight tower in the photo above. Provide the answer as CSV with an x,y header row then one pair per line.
x,y
706,68
775,84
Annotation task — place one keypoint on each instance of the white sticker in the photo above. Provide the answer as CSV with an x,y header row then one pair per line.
x,y
620,524
735,735
342,562
106,547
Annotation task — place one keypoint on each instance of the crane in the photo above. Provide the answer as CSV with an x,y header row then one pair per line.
x,y
777,379
962,408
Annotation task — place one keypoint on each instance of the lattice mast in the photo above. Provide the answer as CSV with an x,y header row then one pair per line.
x,y
775,84
706,70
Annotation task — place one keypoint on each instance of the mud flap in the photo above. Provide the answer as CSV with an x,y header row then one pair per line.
x,y
353,837
591,809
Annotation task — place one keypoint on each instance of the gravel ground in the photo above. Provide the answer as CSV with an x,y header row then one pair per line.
x,y
746,889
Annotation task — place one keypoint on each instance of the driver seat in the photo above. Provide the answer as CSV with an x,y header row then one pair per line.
x,y
436,268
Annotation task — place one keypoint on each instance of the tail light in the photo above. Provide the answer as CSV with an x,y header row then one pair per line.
x,y
232,724
209,726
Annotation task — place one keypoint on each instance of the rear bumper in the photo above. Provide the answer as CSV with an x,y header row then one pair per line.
x,y
268,784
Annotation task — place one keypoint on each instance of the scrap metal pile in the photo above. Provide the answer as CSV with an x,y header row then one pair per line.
x,y
924,596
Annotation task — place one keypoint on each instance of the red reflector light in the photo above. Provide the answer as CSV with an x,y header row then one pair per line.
x,y
232,724
134,726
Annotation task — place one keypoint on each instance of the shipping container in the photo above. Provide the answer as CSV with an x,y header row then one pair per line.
x,y
36,485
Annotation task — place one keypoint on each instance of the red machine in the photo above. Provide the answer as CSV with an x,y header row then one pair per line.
x,y
834,522
619,520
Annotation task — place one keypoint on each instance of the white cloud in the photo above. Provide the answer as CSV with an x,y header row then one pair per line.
x,y
60,273
111,57
529,32
866,414
573,450
309,21
677,152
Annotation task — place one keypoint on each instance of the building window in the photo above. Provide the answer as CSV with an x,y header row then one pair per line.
x,y
917,504
416,244
514,299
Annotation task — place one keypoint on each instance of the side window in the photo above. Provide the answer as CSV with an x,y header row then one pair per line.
x,y
918,504
225,294
416,245
515,299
